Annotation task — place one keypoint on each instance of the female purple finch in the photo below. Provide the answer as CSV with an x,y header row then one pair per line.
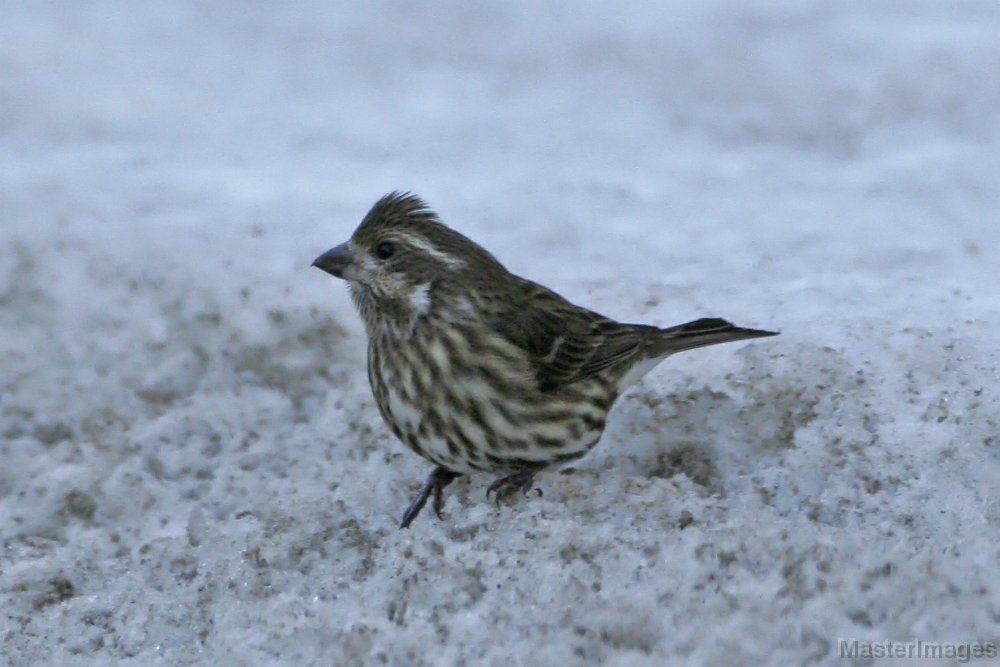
x,y
479,370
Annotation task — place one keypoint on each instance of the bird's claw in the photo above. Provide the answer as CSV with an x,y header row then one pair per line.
x,y
507,486
439,499
436,481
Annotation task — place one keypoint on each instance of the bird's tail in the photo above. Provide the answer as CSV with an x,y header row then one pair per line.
x,y
706,331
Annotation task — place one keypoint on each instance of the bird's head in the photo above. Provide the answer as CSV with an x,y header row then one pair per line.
x,y
401,259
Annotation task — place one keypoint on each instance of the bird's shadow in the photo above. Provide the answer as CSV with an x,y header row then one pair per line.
x,y
706,430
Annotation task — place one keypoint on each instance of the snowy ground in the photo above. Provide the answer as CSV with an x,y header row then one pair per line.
x,y
192,469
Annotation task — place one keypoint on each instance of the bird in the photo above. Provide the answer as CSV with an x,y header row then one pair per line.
x,y
479,370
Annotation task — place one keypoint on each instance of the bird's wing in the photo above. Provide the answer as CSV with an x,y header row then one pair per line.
x,y
565,343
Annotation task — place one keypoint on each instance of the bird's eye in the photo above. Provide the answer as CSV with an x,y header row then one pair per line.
x,y
385,250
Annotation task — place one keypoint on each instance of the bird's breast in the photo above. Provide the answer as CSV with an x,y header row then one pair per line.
x,y
468,403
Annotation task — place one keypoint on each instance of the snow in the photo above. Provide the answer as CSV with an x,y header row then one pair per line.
x,y
192,470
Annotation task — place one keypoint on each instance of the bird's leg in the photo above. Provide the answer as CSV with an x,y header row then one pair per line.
x,y
507,486
436,481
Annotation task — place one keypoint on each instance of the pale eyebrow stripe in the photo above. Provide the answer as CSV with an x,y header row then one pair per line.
x,y
432,250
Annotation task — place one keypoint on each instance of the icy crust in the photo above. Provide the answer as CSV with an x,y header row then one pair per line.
x,y
206,485
192,470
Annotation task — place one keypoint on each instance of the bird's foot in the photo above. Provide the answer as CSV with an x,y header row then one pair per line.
x,y
436,481
507,486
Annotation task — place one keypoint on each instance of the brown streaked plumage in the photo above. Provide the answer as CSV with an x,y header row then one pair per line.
x,y
479,370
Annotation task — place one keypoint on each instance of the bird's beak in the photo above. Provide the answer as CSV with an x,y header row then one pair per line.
x,y
336,261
